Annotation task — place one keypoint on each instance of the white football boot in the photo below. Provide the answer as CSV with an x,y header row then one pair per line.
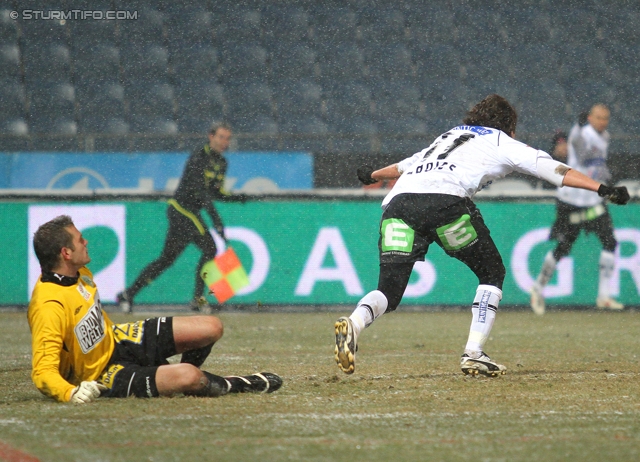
x,y
480,363
609,303
537,301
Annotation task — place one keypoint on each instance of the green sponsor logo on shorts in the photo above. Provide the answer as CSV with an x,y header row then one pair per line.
x,y
396,236
458,234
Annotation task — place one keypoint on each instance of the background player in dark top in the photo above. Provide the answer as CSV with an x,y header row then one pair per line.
x,y
201,183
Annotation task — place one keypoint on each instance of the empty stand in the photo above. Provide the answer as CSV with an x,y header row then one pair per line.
x,y
148,63
293,61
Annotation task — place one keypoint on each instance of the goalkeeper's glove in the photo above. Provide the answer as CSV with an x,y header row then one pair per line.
x,y
87,392
364,175
618,195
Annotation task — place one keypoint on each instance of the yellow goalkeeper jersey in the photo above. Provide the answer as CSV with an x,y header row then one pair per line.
x,y
71,336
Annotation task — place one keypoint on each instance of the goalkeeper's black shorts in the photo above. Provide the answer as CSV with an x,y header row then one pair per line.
x,y
141,347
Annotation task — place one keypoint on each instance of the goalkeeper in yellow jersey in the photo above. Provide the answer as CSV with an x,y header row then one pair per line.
x,y
79,354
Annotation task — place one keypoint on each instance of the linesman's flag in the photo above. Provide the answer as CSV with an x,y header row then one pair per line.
x,y
224,275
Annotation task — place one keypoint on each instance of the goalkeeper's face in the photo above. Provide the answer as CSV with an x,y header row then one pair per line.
x,y
78,253
220,140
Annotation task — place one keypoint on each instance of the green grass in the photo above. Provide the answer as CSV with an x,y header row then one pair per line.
x,y
571,393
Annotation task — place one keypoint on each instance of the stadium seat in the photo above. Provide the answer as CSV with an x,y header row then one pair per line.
x,y
397,100
147,30
8,26
34,33
88,33
189,25
145,64
241,24
584,94
13,126
154,126
12,99
244,61
304,134
438,61
623,26
623,61
334,25
383,26
297,98
534,61
577,26
389,62
10,60
99,124
446,100
527,25
406,135
352,133
193,124
286,24
47,62
147,100
249,98
159,134
96,63
290,61
431,24
478,28
103,99
258,133
341,62
349,99
543,98
53,126
195,63
484,62
51,101
199,100
583,60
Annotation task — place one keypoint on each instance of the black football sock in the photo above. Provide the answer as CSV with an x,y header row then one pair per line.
x,y
196,357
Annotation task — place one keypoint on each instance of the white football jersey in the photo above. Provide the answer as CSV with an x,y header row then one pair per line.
x,y
587,153
465,159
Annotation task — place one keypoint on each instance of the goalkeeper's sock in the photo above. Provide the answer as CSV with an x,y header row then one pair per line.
x,y
196,357
215,386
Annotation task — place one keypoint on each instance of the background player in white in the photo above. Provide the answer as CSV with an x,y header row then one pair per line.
x,y
583,210
432,202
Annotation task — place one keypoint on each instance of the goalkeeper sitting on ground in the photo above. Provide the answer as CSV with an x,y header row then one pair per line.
x,y
79,354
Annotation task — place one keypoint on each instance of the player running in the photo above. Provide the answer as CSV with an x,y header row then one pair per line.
x,y
579,210
431,201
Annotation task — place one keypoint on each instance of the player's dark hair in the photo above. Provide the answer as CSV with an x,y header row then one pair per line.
x,y
218,124
583,117
494,111
49,240
558,137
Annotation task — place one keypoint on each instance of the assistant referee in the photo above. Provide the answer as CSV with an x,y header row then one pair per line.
x,y
202,183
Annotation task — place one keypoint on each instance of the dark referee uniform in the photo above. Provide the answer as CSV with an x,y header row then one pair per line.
x,y
201,183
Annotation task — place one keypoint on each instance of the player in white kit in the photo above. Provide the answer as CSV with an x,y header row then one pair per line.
x,y
431,201
583,210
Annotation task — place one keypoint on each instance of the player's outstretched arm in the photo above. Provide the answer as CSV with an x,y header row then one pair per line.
x,y
618,195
